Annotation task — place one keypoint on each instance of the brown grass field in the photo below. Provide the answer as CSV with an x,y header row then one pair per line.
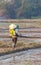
x,y
21,45
23,23
5,48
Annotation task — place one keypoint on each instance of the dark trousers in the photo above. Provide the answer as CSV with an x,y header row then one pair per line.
x,y
15,41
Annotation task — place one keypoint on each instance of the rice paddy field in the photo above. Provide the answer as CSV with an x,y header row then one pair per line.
x,y
29,28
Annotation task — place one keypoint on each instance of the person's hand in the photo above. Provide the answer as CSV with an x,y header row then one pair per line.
x,y
13,36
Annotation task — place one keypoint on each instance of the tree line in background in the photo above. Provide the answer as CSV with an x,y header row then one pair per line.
x,y
22,9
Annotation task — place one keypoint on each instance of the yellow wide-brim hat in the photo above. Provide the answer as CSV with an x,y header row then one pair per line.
x,y
12,26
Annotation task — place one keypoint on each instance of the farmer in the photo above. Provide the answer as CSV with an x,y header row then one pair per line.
x,y
13,31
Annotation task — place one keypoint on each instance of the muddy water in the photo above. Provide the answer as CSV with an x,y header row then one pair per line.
x,y
28,57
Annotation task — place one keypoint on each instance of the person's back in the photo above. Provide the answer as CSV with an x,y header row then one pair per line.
x,y
12,29
12,32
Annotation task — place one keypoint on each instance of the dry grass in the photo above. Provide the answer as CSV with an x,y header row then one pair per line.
x,y
20,45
